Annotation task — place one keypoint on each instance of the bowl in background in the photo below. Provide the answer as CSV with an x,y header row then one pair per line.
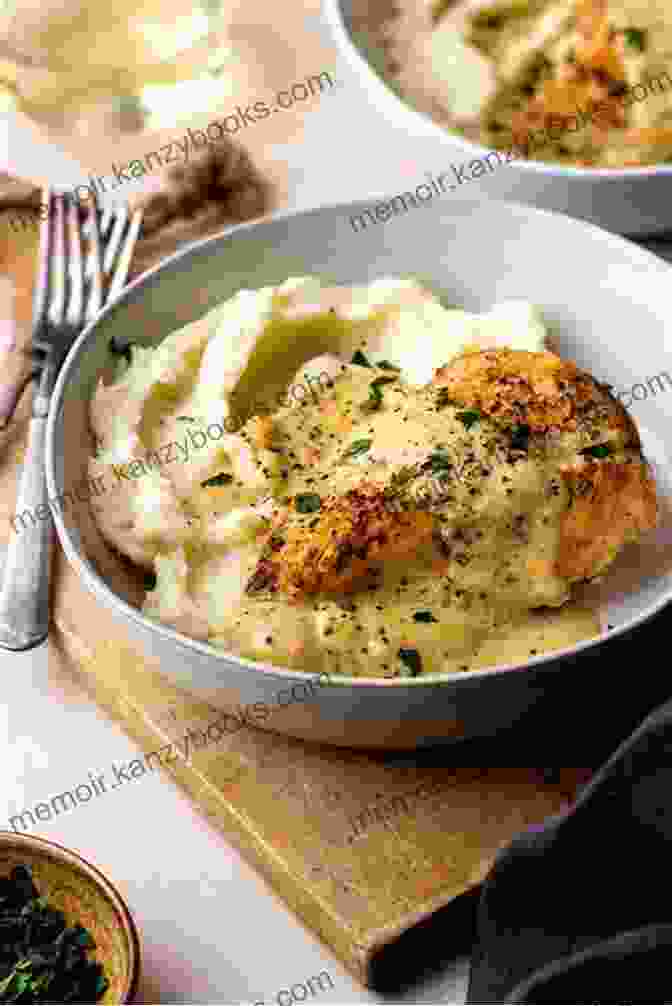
x,y
608,305
629,201
87,897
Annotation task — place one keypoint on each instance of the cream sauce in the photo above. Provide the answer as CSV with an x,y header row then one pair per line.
x,y
459,603
466,609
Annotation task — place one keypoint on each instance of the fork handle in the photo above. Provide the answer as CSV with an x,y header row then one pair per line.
x,y
24,596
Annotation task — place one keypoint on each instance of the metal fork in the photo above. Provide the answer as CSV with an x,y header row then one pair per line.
x,y
119,228
70,292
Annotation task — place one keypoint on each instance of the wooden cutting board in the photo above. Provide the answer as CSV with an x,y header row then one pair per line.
x,y
362,847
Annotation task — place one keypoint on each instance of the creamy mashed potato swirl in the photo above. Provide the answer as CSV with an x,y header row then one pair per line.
x,y
440,479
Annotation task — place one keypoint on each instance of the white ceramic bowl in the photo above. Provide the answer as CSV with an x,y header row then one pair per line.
x,y
630,201
609,306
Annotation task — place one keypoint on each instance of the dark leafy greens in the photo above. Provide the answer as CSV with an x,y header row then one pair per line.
x,y
597,451
424,616
120,348
469,417
635,38
438,461
42,959
411,661
520,436
223,479
357,447
375,399
307,503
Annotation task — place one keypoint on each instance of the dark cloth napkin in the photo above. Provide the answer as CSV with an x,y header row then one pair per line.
x,y
580,911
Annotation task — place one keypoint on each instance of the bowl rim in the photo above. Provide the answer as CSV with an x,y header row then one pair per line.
x,y
134,291
78,862
378,89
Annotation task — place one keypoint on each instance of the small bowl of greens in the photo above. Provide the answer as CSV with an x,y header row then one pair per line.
x,y
66,935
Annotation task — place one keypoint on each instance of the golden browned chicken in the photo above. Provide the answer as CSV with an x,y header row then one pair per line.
x,y
612,496
540,390
611,504
336,551
529,409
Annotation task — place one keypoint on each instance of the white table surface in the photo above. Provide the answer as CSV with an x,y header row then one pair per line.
x,y
212,931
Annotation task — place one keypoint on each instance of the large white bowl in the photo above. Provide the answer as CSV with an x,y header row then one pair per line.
x,y
630,201
609,306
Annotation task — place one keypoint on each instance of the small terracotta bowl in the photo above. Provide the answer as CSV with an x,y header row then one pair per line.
x,y
85,896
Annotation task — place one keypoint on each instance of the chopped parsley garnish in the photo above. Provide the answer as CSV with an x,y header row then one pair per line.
x,y
386,365
438,461
223,479
307,502
185,419
635,38
486,19
469,417
121,348
359,359
412,662
375,399
357,447
424,616
520,436
597,451
150,581
43,959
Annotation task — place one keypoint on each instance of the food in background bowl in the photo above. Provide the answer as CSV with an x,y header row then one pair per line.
x,y
440,478
577,82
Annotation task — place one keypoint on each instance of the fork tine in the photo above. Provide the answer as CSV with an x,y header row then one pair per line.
x,y
114,243
124,262
94,267
42,284
75,309
92,214
106,220
58,272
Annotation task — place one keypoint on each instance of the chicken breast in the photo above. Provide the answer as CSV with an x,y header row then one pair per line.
x,y
539,389
354,533
611,505
612,496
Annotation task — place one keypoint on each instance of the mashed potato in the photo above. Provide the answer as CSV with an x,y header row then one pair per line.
x,y
441,477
